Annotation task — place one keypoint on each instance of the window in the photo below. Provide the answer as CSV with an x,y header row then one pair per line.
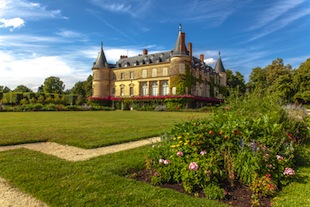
x,y
131,75
113,91
154,89
131,91
144,89
122,76
165,71
144,73
122,91
182,68
165,88
154,72
174,90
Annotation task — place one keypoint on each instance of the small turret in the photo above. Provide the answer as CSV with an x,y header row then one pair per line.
x,y
219,65
219,69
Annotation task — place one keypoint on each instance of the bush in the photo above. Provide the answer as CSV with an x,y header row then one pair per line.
x,y
250,139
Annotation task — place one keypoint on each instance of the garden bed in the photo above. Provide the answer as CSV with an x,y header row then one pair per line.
x,y
237,196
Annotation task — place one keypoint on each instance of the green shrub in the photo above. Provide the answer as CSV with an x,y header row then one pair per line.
x,y
244,141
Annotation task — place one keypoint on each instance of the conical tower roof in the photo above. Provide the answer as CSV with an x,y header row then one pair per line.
x,y
101,61
219,65
180,47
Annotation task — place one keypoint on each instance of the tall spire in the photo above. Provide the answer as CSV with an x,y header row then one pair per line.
x,y
219,65
180,47
101,61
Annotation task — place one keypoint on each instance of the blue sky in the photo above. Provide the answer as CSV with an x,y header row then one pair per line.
x,y
42,38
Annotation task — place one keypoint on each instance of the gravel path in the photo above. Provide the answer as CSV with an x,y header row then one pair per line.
x,y
13,197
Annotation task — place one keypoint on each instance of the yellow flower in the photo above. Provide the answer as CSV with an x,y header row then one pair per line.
x,y
179,137
185,143
181,142
172,146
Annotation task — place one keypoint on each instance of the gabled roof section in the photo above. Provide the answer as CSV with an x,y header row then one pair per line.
x,y
180,47
219,68
101,61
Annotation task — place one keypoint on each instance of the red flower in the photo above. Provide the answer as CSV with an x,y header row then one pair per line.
x,y
211,132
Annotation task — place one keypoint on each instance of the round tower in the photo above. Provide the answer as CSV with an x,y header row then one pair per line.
x,y
181,57
101,76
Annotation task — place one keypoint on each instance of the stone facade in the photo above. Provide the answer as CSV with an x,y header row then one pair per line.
x,y
156,74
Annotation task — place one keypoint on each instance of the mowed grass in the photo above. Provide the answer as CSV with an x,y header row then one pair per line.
x,y
87,129
101,181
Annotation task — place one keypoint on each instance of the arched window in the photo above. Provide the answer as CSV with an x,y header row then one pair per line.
x,y
165,88
154,89
144,89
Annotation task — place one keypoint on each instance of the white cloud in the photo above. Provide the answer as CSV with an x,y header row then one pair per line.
x,y
135,8
273,12
32,71
14,23
210,61
68,34
14,13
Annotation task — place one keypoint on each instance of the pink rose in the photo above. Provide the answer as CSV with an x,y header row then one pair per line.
x,y
288,171
180,154
279,157
193,166
166,162
161,161
203,152
155,174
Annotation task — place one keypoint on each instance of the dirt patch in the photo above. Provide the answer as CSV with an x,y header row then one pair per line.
x,y
237,196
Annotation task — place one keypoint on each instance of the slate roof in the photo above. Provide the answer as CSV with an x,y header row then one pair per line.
x,y
219,65
101,61
144,59
177,48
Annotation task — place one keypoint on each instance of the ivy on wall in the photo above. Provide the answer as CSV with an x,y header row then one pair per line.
x,y
183,81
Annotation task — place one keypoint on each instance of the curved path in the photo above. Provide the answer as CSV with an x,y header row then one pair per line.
x,y
13,197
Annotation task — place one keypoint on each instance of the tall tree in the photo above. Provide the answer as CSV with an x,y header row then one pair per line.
x,y
301,82
235,81
22,88
258,79
53,84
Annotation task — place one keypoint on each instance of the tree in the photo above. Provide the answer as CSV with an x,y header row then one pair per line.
x,y
275,70
53,84
22,88
258,79
301,82
235,81
4,89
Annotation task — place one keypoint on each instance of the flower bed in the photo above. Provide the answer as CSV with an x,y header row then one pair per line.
x,y
235,145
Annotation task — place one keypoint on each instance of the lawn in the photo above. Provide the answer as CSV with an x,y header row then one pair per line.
x,y
100,181
103,181
89,129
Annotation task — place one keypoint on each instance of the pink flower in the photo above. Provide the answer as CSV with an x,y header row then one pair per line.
x,y
193,166
161,161
155,174
166,162
203,152
180,154
288,171
279,157
268,175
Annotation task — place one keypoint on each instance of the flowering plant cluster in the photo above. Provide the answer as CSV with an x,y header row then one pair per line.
x,y
231,145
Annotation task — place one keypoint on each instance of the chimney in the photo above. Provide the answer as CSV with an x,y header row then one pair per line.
x,y
202,58
144,51
123,56
182,42
190,50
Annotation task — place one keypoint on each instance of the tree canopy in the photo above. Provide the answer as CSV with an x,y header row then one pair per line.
x,y
22,88
288,84
53,84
